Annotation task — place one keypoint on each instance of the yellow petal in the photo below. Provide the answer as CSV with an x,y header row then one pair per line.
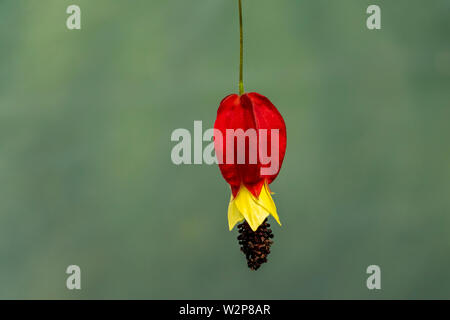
x,y
234,216
265,199
248,206
253,210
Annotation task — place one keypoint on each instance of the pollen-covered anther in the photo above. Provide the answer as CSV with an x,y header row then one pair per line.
x,y
255,244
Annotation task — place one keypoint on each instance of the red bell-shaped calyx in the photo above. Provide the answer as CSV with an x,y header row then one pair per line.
x,y
249,140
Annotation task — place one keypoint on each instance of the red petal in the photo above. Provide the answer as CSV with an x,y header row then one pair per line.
x,y
249,111
268,117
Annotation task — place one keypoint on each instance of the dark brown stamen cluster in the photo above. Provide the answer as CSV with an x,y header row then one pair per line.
x,y
255,244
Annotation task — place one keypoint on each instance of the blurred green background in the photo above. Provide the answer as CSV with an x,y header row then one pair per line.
x,y
85,169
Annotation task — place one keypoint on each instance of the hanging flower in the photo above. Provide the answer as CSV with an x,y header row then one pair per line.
x,y
250,143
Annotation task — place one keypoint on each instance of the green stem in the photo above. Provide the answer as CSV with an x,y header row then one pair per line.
x,y
241,58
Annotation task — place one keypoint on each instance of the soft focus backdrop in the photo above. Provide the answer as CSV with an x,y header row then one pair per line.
x,y
86,176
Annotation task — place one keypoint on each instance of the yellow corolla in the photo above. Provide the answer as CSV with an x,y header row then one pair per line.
x,y
245,206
